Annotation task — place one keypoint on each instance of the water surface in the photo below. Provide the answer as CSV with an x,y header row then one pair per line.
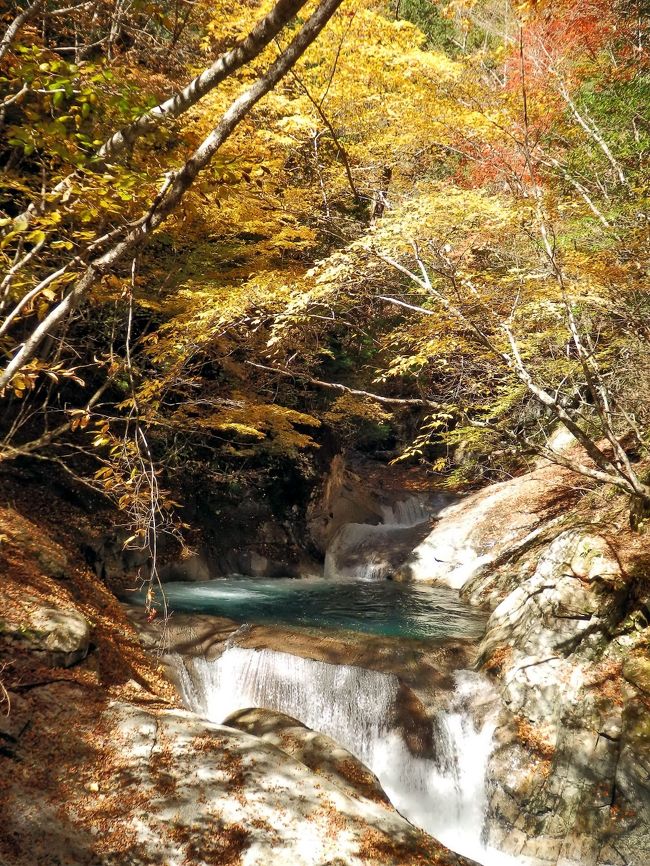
x,y
376,607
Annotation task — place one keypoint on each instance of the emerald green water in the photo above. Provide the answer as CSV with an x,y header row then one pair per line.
x,y
376,607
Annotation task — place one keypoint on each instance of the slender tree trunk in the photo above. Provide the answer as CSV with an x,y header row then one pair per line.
x,y
175,187
257,40
19,21
262,34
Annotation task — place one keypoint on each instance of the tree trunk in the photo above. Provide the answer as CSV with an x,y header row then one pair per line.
x,y
175,187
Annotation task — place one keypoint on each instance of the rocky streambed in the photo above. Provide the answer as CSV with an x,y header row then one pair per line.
x,y
564,659
101,763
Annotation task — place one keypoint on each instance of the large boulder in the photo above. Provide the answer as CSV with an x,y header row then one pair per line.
x,y
498,523
108,784
315,750
58,637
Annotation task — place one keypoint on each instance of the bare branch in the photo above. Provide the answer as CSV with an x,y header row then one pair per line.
x,y
19,21
344,389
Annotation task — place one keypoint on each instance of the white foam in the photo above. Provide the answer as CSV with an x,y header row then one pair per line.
x,y
446,796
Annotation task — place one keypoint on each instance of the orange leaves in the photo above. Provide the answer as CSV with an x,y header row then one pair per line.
x,y
28,378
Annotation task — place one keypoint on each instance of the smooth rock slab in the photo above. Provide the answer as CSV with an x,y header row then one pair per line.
x,y
471,537
315,750
131,785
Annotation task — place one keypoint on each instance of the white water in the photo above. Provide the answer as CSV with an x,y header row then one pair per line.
x,y
445,796
417,508
356,552
366,552
407,512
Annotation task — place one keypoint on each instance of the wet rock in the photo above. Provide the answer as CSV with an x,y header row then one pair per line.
x,y
495,524
359,550
194,569
414,722
342,498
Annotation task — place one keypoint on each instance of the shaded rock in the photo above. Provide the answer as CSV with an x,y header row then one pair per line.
x,y
342,498
637,671
633,774
362,493
359,550
315,750
114,562
194,569
62,636
414,722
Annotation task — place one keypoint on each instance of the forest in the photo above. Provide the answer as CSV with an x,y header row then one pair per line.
x,y
424,229
250,251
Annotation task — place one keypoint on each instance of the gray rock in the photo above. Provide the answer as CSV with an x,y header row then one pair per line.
x,y
62,636
572,783
162,786
194,569
315,750
471,537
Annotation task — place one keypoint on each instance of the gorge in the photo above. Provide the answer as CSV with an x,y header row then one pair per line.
x,y
324,433
516,737
454,749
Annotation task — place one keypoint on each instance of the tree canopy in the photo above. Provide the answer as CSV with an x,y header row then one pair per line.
x,y
229,227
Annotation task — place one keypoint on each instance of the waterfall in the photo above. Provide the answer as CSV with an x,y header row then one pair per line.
x,y
371,552
406,512
445,795
360,551
347,703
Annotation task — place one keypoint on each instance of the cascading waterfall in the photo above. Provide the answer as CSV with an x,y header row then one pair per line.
x,y
445,796
371,552
360,551
349,704
408,512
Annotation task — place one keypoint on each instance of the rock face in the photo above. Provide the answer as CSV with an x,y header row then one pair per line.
x,y
342,498
366,522
495,524
315,750
371,552
568,643
566,704
146,785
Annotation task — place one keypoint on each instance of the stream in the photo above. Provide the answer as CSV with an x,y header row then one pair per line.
x,y
444,791
445,795
380,607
